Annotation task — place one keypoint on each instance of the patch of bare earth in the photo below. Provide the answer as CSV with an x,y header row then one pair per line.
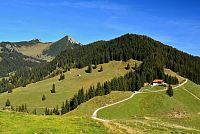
x,y
178,114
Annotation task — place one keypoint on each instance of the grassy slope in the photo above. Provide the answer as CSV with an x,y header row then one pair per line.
x,y
156,109
170,72
77,121
36,51
15,123
87,109
32,94
154,104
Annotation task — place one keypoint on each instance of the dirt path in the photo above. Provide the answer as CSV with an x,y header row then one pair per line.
x,y
192,94
94,115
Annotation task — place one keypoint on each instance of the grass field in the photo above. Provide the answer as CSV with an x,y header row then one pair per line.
x,y
87,109
77,121
16,123
32,94
38,53
180,113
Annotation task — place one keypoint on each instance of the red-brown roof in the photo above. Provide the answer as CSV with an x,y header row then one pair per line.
x,y
158,81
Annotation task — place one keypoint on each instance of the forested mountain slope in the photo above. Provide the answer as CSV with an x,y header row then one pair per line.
x,y
18,55
11,60
138,47
155,56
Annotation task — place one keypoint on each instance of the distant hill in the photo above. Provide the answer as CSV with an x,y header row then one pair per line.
x,y
61,45
11,60
18,55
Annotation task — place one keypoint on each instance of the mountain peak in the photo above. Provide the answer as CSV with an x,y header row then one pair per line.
x,y
70,39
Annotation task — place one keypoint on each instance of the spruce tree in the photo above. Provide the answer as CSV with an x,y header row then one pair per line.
x,y
53,90
43,98
101,69
8,103
89,70
107,88
67,107
34,111
81,96
95,66
170,91
73,103
46,111
127,67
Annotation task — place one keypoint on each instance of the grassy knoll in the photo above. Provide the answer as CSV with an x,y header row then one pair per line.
x,y
154,104
16,123
87,109
32,94
181,109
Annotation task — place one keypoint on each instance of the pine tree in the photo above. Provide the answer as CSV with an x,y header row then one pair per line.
x,y
62,77
46,111
67,107
170,91
20,109
34,111
95,66
81,96
63,108
43,98
91,92
89,70
73,103
99,90
107,88
53,90
8,103
127,67
101,69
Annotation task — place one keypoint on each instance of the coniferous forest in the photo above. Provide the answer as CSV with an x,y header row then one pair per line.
x,y
154,55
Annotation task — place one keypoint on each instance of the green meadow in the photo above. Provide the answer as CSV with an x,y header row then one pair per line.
x,y
31,95
180,113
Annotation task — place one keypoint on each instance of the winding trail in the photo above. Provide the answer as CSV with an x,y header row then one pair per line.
x,y
94,115
192,94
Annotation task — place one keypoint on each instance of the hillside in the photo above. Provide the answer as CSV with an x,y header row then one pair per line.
x,y
17,55
152,113
65,89
152,53
35,50
11,60
180,111
16,123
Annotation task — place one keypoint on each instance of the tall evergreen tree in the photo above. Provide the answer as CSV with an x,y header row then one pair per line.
x,y
8,103
34,111
53,90
170,91
101,69
43,98
81,96
127,67
89,70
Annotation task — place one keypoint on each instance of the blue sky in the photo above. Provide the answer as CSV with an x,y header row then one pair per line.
x,y
174,22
